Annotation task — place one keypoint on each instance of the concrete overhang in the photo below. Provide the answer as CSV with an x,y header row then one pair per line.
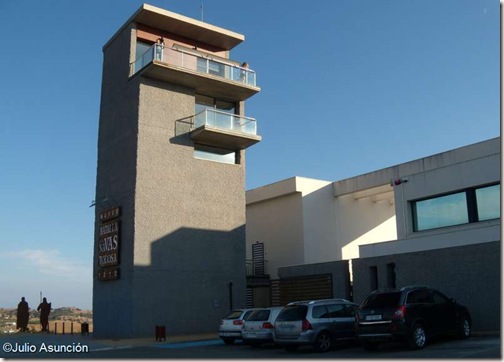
x,y
272,191
294,185
184,26
381,178
221,138
202,83
379,193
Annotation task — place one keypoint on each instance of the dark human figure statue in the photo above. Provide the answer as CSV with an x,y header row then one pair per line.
x,y
23,314
45,309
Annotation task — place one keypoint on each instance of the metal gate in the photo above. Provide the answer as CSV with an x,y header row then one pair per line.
x,y
305,288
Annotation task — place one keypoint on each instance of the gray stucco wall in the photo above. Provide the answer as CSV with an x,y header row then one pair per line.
x,y
182,234
116,175
189,223
470,274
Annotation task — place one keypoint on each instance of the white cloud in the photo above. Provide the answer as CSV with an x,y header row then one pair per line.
x,y
66,281
50,262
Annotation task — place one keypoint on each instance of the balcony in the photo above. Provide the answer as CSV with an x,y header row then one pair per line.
x,y
206,73
257,273
225,130
257,268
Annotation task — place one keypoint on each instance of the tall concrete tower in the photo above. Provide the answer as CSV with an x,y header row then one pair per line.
x,y
170,188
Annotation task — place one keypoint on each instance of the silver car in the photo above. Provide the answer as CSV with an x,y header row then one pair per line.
x,y
258,326
319,323
231,326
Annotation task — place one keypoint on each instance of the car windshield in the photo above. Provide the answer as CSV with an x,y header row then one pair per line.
x,y
259,315
382,300
292,313
234,314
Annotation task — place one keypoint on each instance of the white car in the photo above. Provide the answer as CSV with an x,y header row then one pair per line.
x,y
230,328
258,327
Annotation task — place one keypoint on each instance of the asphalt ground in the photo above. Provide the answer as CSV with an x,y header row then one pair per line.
x,y
208,346
40,345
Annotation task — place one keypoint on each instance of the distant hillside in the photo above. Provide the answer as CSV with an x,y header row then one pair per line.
x,y
67,314
71,314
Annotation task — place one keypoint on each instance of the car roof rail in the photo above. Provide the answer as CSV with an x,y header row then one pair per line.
x,y
319,300
414,287
381,290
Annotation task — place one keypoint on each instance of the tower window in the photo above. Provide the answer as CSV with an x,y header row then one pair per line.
x,y
215,154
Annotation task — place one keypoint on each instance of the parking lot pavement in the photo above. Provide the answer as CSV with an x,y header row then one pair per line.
x,y
479,347
199,347
40,345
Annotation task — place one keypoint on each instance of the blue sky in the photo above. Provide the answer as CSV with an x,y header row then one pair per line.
x,y
348,87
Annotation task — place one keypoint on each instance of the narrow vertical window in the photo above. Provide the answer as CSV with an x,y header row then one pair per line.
x,y
373,277
391,275
488,202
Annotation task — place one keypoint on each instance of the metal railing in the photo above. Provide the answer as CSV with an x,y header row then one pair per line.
x,y
225,121
256,268
198,62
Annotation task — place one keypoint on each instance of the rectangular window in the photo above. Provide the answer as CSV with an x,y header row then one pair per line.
x,y
488,202
468,206
143,55
203,102
214,154
441,211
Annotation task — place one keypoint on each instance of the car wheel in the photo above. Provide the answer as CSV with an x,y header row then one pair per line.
x,y
369,346
228,341
418,337
323,342
465,328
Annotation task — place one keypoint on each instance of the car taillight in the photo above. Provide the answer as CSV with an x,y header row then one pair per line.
x,y
267,325
306,325
238,322
400,312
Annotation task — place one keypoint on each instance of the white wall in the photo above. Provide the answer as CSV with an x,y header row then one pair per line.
x,y
301,222
318,221
278,224
294,220
362,221
471,166
470,173
304,221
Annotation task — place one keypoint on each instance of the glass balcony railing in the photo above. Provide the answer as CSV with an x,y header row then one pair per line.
x,y
225,121
195,61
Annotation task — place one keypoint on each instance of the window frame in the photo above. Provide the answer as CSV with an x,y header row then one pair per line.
x,y
200,150
471,207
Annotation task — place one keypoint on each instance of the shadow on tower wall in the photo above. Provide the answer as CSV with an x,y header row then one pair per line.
x,y
195,277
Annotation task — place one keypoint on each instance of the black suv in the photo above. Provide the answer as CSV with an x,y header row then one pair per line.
x,y
411,315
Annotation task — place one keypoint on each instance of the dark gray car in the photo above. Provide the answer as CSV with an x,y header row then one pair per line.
x,y
319,323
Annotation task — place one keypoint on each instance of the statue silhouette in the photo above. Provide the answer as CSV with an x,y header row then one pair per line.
x,y
23,314
45,309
